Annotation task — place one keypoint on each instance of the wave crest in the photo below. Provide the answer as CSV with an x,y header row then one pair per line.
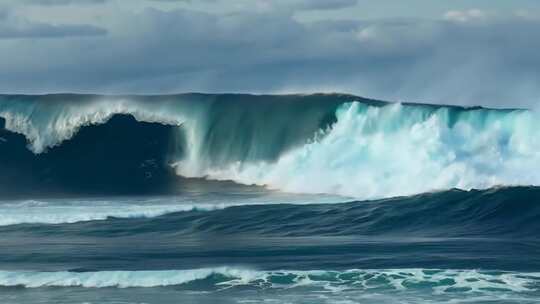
x,y
374,152
309,144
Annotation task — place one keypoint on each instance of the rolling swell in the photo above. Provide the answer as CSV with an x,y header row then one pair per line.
x,y
490,229
322,143
512,212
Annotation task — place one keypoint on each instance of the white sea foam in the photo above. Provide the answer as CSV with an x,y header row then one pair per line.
x,y
375,152
440,281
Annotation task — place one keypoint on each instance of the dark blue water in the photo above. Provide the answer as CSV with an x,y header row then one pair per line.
x,y
433,247
153,200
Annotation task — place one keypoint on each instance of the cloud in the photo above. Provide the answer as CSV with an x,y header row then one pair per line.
x,y
491,63
465,16
263,4
282,6
12,27
322,4
61,2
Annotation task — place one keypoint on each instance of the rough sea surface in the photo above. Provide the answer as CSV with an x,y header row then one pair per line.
x,y
266,199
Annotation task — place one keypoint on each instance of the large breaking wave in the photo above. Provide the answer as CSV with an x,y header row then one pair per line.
x,y
337,144
401,150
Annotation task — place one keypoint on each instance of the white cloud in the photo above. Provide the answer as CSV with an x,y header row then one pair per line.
x,y
286,5
465,16
368,33
527,14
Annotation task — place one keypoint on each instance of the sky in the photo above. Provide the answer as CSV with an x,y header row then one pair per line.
x,y
467,52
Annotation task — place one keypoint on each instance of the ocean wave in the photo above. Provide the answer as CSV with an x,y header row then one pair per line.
x,y
190,130
395,150
439,281
40,212
502,213
337,144
70,210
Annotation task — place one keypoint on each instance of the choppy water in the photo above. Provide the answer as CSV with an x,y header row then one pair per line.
x,y
240,247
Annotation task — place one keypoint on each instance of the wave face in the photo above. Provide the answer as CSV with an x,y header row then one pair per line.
x,y
87,143
337,144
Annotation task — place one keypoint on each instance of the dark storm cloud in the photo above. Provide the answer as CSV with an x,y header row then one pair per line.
x,y
464,57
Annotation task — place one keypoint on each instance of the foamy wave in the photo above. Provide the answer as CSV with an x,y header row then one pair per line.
x,y
440,281
369,152
375,152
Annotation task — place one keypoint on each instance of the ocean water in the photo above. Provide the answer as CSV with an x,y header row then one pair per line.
x,y
266,199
